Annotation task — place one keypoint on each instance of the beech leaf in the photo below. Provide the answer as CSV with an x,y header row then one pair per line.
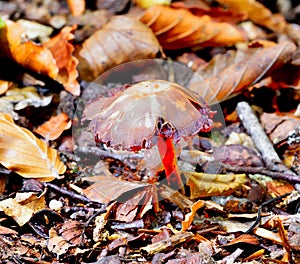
x,y
121,40
54,127
25,154
179,28
228,74
257,12
28,54
204,184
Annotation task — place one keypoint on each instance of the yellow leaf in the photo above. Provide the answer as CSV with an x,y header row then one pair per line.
x,y
25,154
204,184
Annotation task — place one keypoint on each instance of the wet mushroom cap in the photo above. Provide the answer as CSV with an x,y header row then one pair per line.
x,y
129,119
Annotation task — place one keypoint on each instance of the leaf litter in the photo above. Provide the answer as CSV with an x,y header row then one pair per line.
x,y
237,193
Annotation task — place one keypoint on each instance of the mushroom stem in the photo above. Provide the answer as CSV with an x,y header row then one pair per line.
x,y
169,159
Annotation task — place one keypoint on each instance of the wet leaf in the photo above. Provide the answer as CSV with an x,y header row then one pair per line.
x,y
230,73
28,54
23,206
62,51
257,13
54,127
25,154
121,40
203,184
179,28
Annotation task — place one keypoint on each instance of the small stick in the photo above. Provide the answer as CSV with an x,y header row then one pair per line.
x,y
260,170
260,139
70,194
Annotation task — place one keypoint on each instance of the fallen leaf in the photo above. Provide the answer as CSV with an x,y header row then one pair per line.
x,y
230,73
245,238
54,127
267,234
106,189
23,206
7,231
77,7
188,219
277,188
121,40
257,13
28,54
148,3
4,86
27,96
25,154
57,244
179,28
71,231
204,184
62,51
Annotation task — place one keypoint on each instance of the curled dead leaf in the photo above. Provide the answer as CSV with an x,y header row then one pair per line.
x,y
25,154
204,184
228,74
121,40
179,28
62,51
28,54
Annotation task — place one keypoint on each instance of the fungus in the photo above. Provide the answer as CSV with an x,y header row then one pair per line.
x,y
148,113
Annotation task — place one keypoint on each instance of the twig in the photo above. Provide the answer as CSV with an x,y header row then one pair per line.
x,y
260,170
258,217
70,194
260,139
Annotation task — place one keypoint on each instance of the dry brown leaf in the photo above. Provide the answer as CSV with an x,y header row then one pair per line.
x,y
179,28
7,231
25,154
121,40
244,238
28,54
62,51
204,184
188,219
228,74
106,189
54,127
267,234
57,244
257,12
77,7
23,206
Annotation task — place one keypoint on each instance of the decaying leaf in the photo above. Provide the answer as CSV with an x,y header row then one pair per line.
x,y
57,244
23,206
257,12
121,40
228,74
27,96
279,127
203,184
179,28
25,154
62,51
28,54
54,127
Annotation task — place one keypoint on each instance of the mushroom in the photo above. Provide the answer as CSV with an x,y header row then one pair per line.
x,y
148,113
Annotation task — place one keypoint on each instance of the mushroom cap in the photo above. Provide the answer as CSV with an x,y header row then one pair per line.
x,y
132,118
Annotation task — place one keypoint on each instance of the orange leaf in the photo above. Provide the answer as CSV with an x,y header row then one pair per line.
x,y
77,7
54,127
258,13
245,238
204,184
228,74
62,50
121,40
25,154
179,28
188,219
28,54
